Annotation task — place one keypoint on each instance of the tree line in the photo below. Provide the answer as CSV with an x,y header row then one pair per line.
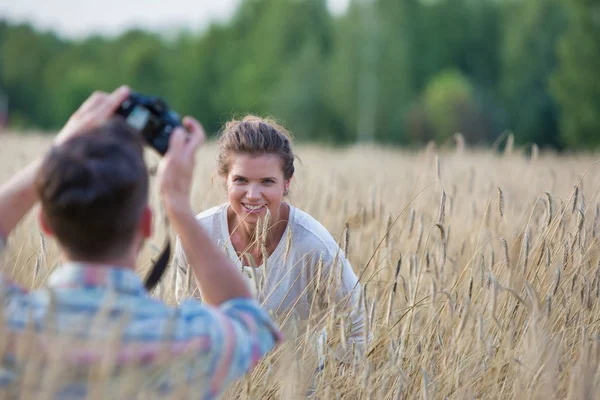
x,y
390,71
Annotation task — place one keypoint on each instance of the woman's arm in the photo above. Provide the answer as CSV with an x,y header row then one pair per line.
x,y
340,289
349,298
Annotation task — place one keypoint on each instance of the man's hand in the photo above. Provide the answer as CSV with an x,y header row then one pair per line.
x,y
176,169
99,107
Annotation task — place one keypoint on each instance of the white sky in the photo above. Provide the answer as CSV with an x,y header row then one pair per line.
x,y
78,18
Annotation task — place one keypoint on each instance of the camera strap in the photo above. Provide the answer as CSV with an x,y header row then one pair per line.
x,y
159,267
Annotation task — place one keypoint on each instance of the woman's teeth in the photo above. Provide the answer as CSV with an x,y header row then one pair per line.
x,y
249,207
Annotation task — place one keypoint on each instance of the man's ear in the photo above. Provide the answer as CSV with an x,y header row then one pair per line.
x,y
44,224
146,222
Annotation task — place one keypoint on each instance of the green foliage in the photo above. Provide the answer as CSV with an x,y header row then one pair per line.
x,y
392,71
575,84
532,29
448,103
25,55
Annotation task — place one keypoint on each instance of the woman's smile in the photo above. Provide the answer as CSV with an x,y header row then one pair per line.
x,y
254,209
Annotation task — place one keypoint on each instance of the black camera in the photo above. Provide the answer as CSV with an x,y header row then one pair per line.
x,y
151,116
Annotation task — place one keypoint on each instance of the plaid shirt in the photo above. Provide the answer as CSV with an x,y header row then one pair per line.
x,y
82,307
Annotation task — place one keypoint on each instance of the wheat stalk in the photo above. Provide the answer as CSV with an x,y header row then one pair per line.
x,y
442,212
500,203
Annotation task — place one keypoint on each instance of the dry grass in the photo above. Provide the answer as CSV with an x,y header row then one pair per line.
x,y
482,272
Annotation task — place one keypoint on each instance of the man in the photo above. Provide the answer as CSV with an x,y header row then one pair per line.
x,y
93,321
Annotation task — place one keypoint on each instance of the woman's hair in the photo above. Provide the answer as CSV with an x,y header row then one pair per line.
x,y
255,136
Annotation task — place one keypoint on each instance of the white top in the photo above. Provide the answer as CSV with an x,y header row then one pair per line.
x,y
287,283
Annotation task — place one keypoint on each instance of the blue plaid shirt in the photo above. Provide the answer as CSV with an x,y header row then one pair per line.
x,y
87,315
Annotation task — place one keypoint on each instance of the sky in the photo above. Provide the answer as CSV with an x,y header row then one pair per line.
x,y
80,18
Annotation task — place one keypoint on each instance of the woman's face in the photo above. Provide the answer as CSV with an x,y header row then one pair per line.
x,y
255,184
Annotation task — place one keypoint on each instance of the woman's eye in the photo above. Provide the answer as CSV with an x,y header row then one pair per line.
x,y
269,181
239,180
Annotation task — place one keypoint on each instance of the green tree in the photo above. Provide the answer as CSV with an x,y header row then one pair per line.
x,y
531,29
143,61
449,105
299,97
370,74
575,84
270,48
462,35
24,53
396,30
73,74
342,72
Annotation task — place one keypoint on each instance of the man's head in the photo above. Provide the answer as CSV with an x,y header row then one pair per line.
x,y
94,193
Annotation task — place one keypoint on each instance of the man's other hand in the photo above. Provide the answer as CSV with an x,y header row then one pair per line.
x,y
176,169
99,107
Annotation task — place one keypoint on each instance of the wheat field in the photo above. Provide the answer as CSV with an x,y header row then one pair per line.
x,y
480,269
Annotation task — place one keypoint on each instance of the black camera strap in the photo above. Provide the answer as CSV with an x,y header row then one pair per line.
x,y
159,267
162,262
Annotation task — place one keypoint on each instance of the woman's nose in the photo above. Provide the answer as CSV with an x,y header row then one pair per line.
x,y
253,192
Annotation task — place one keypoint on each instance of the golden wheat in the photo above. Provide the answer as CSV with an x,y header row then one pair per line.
x,y
445,318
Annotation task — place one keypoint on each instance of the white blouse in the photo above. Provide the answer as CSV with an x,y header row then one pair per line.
x,y
306,258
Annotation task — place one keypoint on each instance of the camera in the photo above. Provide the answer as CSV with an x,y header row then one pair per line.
x,y
151,116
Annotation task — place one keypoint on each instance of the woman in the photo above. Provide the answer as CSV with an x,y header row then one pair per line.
x,y
292,262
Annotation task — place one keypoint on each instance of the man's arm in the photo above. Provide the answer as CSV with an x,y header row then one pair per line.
x,y
221,343
217,276
17,197
244,337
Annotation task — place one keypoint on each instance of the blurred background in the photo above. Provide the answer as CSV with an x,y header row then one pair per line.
x,y
337,72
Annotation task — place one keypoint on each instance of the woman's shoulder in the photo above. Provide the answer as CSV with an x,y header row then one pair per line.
x,y
309,233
